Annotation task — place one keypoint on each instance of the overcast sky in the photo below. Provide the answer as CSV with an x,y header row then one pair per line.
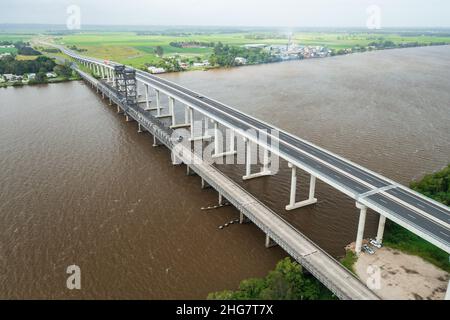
x,y
311,13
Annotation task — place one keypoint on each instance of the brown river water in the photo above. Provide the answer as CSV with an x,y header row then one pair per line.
x,y
79,185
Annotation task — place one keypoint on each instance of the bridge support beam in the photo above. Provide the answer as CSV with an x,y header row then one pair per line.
x,y
243,219
361,226
158,103
248,163
218,149
155,142
205,131
312,189
381,225
269,242
447,294
147,98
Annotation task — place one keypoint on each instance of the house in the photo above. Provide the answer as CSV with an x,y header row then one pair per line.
x,y
156,70
51,75
184,65
204,63
31,76
12,77
6,54
240,61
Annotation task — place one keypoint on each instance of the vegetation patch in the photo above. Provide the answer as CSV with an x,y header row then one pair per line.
x,y
286,282
435,186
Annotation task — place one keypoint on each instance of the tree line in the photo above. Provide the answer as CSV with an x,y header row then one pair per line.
x,y
225,55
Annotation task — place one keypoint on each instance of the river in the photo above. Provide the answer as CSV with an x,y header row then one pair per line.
x,y
79,185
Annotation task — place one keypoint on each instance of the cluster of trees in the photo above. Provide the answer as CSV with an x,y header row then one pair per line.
x,y
23,48
75,48
225,55
435,186
286,282
183,44
42,64
159,51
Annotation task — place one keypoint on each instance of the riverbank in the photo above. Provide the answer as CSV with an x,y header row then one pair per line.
x,y
401,276
410,267
49,81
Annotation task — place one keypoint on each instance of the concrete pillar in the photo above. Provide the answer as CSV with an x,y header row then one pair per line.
x,y
191,112
312,187
293,194
381,225
216,139
139,128
248,160
361,226
269,242
447,294
158,103
232,142
206,126
155,142
103,72
147,102
266,161
220,199
186,115
172,109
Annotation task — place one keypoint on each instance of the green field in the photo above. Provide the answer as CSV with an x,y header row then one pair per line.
x,y
138,49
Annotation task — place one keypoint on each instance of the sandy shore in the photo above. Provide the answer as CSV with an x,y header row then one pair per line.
x,y
401,276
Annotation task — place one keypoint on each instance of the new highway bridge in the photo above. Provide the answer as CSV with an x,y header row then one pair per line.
x,y
391,200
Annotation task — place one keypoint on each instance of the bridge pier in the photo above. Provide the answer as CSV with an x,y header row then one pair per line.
x,y
361,226
447,294
248,163
243,219
269,242
204,134
155,142
205,184
312,189
381,226
217,142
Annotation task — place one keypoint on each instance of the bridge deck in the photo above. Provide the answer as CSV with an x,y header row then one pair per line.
x,y
324,267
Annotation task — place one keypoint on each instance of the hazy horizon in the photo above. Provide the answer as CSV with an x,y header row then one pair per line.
x,y
231,13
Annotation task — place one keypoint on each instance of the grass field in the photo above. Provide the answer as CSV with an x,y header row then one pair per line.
x,y
138,49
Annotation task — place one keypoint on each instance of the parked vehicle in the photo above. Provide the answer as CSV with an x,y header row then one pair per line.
x,y
368,249
375,243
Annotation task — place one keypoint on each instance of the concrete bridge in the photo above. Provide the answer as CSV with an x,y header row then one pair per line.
x,y
421,215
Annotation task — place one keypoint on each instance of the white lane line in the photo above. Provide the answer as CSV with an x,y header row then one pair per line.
x,y
411,216
419,205
443,233
384,201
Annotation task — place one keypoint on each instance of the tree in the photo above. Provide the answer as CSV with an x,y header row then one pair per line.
x,y
159,51
286,282
41,77
64,71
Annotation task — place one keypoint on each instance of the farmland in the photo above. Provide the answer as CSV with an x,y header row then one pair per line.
x,y
138,49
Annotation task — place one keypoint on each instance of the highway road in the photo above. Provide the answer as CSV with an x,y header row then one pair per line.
x,y
419,214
